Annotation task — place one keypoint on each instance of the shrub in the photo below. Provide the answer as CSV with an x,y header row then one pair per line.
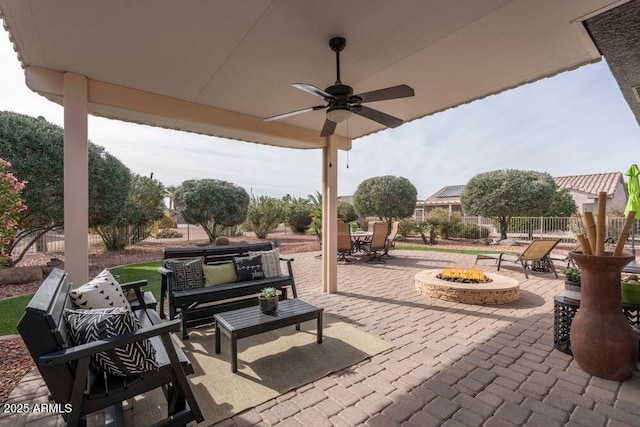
x,y
168,233
446,224
406,227
264,215
473,231
166,222
298,215
222,241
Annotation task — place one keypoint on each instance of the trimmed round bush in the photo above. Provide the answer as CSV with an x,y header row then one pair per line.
x,y
222,241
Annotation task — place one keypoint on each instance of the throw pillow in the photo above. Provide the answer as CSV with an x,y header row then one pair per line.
x,y
270,262
249,268
219,274
187,273
103,291
86,326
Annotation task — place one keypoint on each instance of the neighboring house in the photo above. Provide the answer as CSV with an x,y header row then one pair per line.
x,y
447,197
583,188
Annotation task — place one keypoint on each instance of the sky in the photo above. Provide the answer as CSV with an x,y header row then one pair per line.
x,y
574,123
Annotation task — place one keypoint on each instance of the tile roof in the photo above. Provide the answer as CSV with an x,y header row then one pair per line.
x,y
591,184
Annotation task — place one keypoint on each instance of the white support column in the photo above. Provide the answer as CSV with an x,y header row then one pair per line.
x,y
330,217
76,178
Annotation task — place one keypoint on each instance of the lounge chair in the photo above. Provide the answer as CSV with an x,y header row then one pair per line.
x,y
538,253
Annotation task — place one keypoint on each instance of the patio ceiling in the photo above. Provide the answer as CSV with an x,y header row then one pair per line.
x,y
219,67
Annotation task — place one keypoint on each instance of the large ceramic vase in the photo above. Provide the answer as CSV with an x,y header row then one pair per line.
x,y
602,340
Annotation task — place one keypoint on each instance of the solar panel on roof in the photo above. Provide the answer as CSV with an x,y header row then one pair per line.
x,y
452,191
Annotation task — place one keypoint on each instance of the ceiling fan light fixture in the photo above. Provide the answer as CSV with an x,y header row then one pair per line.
x,y
339,114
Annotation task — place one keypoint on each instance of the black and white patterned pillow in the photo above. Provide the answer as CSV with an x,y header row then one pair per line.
x,y
270,262
249,268
187,273
87,326
103,291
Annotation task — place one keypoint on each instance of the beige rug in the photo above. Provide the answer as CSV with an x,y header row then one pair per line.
x,y
269,365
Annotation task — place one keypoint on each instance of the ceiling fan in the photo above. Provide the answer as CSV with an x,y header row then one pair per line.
x,y
341,102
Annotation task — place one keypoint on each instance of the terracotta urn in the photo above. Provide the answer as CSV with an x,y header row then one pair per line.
x,y
602,340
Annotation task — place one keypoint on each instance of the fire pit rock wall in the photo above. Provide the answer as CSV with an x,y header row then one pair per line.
x,y
501,290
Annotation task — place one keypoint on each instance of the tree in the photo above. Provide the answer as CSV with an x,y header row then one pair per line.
x,y
35,149
386,197
298,214
211,203
143,207
503,194
346,212
563,204
316,215
264,214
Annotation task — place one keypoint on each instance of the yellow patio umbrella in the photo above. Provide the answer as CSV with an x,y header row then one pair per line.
x,y
633,204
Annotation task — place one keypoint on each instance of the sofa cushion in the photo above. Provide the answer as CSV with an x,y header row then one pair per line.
x,y
87,326
103,291
270,262
219,274
249,268
187,273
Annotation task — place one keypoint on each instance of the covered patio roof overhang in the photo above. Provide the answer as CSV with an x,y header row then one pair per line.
x,y
219,67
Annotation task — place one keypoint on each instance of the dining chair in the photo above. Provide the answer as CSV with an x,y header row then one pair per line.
x,y
391,239
378,242
345,245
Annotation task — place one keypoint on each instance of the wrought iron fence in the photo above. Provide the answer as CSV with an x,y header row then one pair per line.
x,y
53,242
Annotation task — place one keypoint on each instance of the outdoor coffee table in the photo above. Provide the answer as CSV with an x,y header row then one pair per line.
x,y
249,321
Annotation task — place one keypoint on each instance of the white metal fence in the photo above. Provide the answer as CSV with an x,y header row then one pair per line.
x,y
530,228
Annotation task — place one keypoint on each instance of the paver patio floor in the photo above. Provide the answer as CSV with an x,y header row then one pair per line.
x,y
452,364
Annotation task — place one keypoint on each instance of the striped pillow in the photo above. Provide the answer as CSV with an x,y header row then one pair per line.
x,y
86,326
270,262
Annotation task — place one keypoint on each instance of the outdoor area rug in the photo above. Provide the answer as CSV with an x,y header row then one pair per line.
x,y
269,365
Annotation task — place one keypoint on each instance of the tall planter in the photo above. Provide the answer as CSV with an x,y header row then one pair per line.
x,y
602,340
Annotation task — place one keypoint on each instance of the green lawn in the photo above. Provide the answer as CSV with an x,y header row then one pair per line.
x,y
145,270
12,308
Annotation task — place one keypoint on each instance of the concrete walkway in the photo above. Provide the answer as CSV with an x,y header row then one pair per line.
x,y
452,364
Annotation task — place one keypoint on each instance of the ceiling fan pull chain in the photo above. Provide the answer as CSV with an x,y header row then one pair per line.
x,y
348,150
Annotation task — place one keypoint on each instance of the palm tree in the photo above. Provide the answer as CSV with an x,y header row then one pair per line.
x,y
316,216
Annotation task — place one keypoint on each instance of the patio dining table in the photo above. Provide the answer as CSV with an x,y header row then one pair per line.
x,y
360,239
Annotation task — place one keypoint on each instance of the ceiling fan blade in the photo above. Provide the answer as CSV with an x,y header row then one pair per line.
x,y
293,113
313,90
328,128
378,116
401,91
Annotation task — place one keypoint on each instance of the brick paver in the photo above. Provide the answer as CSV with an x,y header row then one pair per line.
x,y
452,364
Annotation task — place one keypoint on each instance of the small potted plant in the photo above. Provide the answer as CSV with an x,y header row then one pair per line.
x,y
630,289
572,284
268,299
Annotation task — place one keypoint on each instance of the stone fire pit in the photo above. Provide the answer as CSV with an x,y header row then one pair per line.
x,y
501,290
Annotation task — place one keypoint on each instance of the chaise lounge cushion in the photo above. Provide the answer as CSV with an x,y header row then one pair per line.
x,y
92,325
187,273
103,291
219,274
249,268
270,262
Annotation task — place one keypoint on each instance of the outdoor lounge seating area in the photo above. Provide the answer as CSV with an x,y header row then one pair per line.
x,y
426,361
